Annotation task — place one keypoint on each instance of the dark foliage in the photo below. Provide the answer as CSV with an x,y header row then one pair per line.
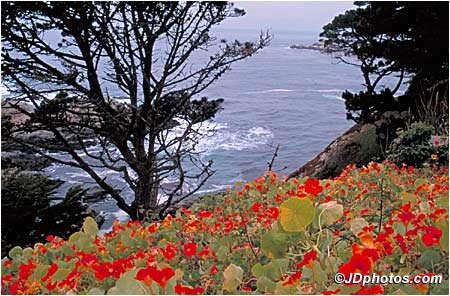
x,y
145,50
406,39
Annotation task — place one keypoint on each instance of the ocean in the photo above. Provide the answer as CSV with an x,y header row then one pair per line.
x,y
280,96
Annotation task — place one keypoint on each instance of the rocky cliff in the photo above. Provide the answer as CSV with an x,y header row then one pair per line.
x,y
357,146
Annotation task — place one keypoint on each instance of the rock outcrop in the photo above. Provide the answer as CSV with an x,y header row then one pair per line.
x,y
357,146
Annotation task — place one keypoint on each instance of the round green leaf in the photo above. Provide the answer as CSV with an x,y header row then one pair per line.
x,y
15,252
232,277
90,226
331,212
296,213
265,285
430,258
274,244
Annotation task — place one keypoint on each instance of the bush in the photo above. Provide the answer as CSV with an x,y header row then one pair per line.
x,y
413,145
29,213
266,236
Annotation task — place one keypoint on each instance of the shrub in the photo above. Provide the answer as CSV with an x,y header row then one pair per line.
x,y
413,145
270,235
29,213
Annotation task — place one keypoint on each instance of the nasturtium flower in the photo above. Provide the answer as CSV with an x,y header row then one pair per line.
x,y
169,252
25,270
151,273
102,270
190,249
293,279
51,271
185,290
213,270
432,236
312,186
308,259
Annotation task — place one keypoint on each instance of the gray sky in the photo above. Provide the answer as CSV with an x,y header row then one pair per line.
x,y
280,15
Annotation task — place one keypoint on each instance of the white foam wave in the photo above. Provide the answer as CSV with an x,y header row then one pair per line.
x,y
270,91
219,136
333,97
225,139
328,90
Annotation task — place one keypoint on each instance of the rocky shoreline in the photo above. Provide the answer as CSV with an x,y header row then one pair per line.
x,y
318,46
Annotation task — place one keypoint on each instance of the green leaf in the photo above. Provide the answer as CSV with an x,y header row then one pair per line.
x,y
429,258
90,226
440,289
296,213
273,270
74,237
443,225
274,244
39,272
357,225
96,291
232,277
330,212
27,253
15,252
318,274
128,285
61,274
285,290
265,285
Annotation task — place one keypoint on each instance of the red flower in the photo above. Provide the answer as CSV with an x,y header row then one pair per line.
x,y
7,263
51,271
169,251
432,236
51,286
152,228
118,268
213,270
205,214
357,264
190,249
184,290
272,213
17,288
162,276
257,207
293,279
207,252
102,270
88,259
312,186
25,270
308,259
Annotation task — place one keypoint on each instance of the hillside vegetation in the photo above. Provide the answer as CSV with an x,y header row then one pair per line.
x,y
269,235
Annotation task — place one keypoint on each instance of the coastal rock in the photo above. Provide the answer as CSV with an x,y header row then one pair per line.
x,y
357,146
319,46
